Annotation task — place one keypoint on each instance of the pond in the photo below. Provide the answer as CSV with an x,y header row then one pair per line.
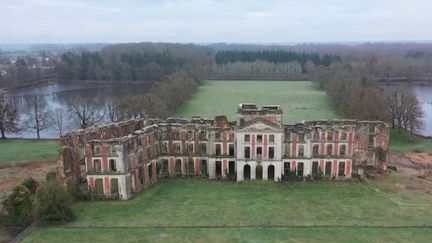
x,y
63,95
424,95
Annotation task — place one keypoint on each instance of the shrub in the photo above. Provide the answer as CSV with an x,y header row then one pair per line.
x,y
50,176
18,206
79,192
53,203
292,176
319,176
30,184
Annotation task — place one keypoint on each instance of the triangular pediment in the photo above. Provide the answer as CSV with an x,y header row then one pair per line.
x,y
259,124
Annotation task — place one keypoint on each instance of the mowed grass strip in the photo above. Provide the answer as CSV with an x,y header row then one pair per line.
x,y
203,203
332,234
301,100
17,150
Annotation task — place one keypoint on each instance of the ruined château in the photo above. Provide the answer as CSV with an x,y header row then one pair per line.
x,y
120,159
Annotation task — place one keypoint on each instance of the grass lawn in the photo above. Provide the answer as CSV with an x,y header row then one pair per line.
x,y
16,150
333,234
403,142
301,100
202,210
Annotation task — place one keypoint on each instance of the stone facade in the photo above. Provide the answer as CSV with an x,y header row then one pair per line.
x,y
121,159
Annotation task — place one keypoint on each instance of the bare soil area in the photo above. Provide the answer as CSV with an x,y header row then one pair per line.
x,y
415,171
13,174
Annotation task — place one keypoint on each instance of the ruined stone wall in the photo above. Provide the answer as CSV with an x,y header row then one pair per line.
x,y
144,141
71,154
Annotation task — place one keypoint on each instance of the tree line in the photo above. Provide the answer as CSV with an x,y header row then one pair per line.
x,y
147,61
358,95
257,70
275,56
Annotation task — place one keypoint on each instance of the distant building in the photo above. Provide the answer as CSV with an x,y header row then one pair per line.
x,y
124,158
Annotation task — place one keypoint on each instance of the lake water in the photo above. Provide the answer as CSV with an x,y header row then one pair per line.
x,y
424,95
62,95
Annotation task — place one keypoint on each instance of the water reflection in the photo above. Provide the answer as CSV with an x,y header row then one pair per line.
x,y
61,96
424,95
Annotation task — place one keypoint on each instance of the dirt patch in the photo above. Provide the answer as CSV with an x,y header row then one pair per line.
x,y
420,159
12,175
415,171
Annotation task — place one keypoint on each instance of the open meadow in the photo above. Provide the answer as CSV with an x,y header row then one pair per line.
x,y
300,100
19,150
200,210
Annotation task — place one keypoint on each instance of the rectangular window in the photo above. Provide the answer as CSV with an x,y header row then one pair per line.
x,y
114,186
203,148
190,148
341,171
300,169
315,150
342,151
177,147
287,137
218,149
231,149
315,168
301,137
99,186
271,138
97,165
329,136
343,136
259,138
287,168
259,151
247,138
164,147
141,174
328,167
112,164
149,154
203,135
301,151
271,153
371,140
287,150
329,149
247,152
217,135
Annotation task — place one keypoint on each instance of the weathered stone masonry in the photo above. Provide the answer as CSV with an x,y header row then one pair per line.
x,y
120,159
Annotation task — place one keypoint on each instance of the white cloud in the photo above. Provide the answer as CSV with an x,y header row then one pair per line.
x,y
213,20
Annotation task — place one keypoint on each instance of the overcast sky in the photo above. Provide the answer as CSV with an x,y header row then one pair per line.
x,y
241,21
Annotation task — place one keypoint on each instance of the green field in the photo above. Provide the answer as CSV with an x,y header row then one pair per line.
x,y
17,150
300,100
403,142
202,210
220,211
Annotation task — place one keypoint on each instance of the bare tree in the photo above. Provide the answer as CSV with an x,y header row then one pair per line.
x,y
404,109
87,113
60,120
112,111
39,117
8,118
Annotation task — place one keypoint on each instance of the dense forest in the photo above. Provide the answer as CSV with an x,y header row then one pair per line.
x,y
275,56
147,61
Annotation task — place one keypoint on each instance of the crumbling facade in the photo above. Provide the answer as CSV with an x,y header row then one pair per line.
x,y
121,159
